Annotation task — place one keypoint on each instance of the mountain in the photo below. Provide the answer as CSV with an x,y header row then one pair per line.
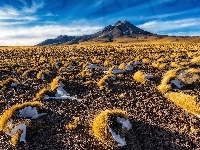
x,y
65,39
118,30
121,29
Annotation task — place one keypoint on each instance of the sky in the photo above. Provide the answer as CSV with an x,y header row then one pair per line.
x,y
29,22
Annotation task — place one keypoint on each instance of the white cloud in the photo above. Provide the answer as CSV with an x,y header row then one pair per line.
x,y
26,13
186,33
4,24
34,35
158,26
8,12
23,1
35,6
49,14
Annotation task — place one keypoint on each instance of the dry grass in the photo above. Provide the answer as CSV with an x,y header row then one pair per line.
x,y
16,137
165,85
185,101
72,62
100,125
122,66
159,65
110,70
163,88
193,70
27,72
139,77
8,113
174,65
72,126
145,60
101,82
7,81
55,83
41,93
196,60
106,63
41,73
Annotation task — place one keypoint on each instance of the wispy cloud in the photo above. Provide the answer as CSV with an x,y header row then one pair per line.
x,y
7,23
23,1
36,34
158,26
35,6
8,12
186,33
97,3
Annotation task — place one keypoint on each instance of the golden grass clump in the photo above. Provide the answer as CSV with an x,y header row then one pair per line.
x,y
82,73
174,64
185,128
110,70
72,126
145,60
16,137
161,59
95,60
194,130
139,76
40,73
7,81
102,81
196,60
88,82
193,70
85,73
106,63
168,76
158,65
55,83
41,93
165,86
100,125
185,64
8,113
19,70
27,72
122,66
185,101
122,95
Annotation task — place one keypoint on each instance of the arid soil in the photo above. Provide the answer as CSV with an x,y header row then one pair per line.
x,y
157,123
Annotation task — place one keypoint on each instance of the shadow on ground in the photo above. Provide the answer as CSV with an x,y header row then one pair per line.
x,y
148,137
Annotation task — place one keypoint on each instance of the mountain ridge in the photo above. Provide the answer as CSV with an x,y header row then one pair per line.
x,y
120,29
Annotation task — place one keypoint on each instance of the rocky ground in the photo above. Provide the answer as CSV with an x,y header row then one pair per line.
x,y
157,123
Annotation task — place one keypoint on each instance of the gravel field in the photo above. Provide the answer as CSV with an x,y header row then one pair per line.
x,y
157,123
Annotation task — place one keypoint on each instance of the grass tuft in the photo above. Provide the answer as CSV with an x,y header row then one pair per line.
x,y
185,101
55,83
9,112
165,86
139,76
100,125
72,126
16,137
196,60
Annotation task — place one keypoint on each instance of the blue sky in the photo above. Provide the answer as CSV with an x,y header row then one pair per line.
x,y
28,22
